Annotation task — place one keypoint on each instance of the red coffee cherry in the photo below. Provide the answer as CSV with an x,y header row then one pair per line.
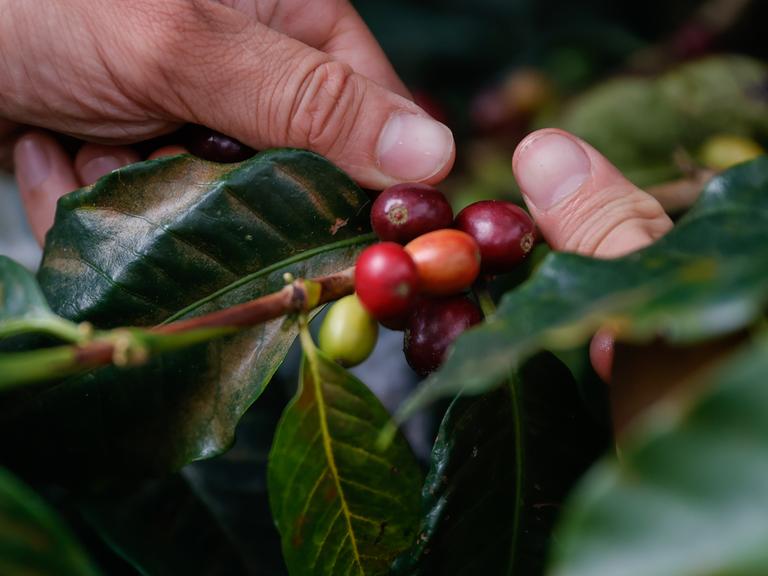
x,y
432,328
386,280
503,231
448,261
404,211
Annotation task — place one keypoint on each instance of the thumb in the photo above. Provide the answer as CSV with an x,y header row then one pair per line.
x,y
580,201
266,89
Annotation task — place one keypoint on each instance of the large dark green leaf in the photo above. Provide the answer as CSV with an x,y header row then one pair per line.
x,y
211,518
20,297
153,238
164,528
184,405
32,538
689,492
23,307
706,277
341,506
501,466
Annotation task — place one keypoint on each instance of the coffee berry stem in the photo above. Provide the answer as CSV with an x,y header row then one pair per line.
x,y
134,346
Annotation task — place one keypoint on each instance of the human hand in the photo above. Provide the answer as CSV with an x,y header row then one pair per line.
x,y
267,72
582,203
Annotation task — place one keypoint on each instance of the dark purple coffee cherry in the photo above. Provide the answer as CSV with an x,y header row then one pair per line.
x,y
404,211
504,232
214,146
432,328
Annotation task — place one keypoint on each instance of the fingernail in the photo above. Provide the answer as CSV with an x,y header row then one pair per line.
x,y
98,167
31,162
550,168
413,148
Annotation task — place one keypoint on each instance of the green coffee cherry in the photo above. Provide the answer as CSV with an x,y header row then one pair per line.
x,y
348,333
722,151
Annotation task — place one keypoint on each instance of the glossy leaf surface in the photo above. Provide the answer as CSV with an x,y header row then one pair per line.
x,y
182,406
213,515
341,506
149,240
704,278
688,494
32,538
500,469
20,296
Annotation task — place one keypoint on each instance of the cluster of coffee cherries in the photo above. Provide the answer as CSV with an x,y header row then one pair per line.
x,y
418,277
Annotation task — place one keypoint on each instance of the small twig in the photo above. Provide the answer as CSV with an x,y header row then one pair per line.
x,y
298,296
679,195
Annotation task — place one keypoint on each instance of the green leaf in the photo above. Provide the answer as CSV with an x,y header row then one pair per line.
x,y
501,466
32,538
341,506
20,297
184,405
704,278
211,518
149,240
164,528
23,308
687,495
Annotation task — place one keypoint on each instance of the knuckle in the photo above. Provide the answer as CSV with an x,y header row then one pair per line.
x,y
326,106
635,217
177,40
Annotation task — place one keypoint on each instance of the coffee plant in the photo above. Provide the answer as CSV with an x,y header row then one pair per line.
x,y
171,291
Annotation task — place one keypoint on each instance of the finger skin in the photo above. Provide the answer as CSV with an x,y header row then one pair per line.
x,y
583,204
285,92
161,64
170,150
44,173
96,160
331,26
604,215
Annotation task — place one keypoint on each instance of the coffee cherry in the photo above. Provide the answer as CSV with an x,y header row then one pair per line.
x,y
448,261
504,232
722,151
348,333
433,327
386,281
404,211
214,146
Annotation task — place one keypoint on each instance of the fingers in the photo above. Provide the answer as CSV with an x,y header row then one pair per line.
x,y
601,353
332,26
580,201
170,150
267,89
43,173
96,160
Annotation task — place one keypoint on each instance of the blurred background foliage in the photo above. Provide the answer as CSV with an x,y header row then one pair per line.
x,y
494,70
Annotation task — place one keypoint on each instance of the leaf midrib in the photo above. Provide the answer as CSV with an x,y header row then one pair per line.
x,y
305,255
312,360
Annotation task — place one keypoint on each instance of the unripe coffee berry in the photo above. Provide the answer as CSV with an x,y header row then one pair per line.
x,y
448,261
348,333
386,280
503,231
404,211
433,327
